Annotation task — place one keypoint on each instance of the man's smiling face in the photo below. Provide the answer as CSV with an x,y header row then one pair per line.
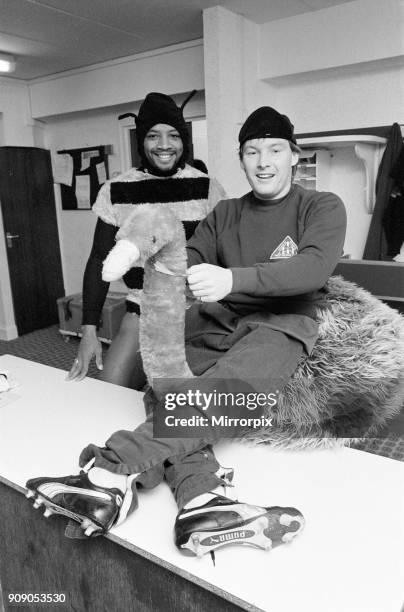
x,y
163,146
268,163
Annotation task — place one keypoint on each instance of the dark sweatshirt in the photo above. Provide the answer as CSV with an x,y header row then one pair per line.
x,y
281,252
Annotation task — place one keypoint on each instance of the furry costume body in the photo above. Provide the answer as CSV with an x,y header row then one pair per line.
x,y
189,194
353,381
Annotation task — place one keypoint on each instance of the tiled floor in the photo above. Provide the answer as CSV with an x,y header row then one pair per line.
x,y
391,446
49,347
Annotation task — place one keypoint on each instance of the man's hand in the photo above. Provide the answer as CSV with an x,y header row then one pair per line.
x,y
89,346
209,283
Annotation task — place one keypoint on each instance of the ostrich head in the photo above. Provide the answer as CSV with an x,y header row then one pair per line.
x,y
149,232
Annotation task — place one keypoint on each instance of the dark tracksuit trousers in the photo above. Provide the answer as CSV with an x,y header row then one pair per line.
x,y
256,352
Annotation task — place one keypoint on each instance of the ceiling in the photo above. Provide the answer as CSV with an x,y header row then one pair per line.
x,y
49,36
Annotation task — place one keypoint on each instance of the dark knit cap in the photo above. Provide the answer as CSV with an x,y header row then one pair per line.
x,y
266,122
159,108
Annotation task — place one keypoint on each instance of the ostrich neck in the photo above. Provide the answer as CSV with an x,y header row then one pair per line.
x,y
162,318
173,257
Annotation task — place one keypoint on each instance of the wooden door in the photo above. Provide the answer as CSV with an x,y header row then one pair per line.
x,y
31,234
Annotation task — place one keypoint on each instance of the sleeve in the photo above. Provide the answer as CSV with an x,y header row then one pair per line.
x,y
320,248
215,194
94,288
103,207
202,247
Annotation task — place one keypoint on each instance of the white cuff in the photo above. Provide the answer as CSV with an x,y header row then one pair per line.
x,y
119,260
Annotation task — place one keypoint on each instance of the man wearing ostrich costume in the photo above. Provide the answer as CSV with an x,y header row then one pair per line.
x,y
257,266
164,180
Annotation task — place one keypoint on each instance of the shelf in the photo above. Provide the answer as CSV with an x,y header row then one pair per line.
x,y
331,142
368,148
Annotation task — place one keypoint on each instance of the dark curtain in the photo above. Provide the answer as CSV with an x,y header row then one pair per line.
x,y
376,244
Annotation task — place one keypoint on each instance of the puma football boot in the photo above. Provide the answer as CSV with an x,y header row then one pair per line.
x,y
95,508
223,521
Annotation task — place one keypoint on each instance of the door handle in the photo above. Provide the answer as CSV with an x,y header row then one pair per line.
x,y
9,239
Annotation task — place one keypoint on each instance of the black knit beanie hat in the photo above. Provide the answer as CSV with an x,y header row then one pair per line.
x,y
266,122
160,108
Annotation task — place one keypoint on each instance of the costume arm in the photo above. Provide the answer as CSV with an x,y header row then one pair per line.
x,y
103,207
94,288
320,248
201,248
215,194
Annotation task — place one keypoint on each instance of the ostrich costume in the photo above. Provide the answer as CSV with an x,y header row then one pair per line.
x,y
155,239
349,386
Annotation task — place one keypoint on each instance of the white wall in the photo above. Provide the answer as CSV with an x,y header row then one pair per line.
x,y
15,116
371,97
232,87
173,69
344,35
200,140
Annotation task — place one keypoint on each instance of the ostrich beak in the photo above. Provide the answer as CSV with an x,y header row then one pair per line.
x,y
119,260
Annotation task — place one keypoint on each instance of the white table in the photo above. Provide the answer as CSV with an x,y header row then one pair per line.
x,y
349,558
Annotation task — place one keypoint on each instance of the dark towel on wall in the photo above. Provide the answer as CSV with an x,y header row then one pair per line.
x,y
393,220
397,172
393,223
376,243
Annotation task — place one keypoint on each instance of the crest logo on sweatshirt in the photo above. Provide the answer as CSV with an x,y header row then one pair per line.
x,y
287,248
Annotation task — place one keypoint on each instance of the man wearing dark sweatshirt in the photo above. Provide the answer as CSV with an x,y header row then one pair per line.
x,y
257,268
